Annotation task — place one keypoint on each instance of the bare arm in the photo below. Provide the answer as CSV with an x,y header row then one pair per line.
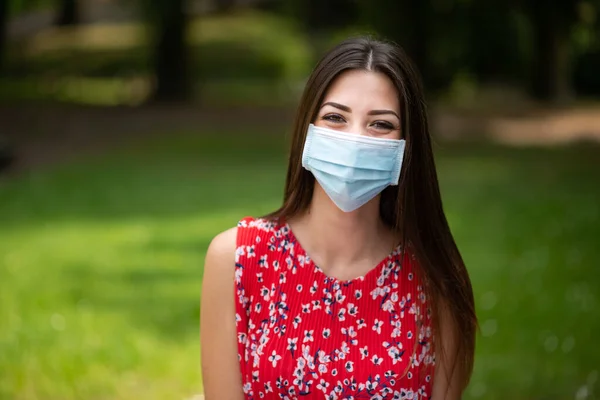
x,y
220,368
447,383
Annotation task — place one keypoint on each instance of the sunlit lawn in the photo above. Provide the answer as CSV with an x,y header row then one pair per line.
x,y
101,264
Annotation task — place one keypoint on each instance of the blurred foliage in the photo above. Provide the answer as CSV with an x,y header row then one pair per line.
x,y
18,7
515,42
548,49
224,49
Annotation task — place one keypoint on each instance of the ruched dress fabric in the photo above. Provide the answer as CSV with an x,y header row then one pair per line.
x,y
305,335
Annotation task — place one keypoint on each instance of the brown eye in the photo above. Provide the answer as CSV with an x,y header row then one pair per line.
x,y
335,118
383,125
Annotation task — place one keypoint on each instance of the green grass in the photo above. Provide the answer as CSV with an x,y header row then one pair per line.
x,y
101,264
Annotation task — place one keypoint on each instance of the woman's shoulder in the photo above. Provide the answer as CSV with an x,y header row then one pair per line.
x,y
225,243
221,250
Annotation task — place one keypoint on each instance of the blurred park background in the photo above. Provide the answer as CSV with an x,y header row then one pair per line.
x,y
133,131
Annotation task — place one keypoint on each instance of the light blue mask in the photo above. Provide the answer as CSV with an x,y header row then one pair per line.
x,y
352,169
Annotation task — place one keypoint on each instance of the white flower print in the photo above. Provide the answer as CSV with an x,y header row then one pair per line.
x,y
377,325
352,310
314,288
376,360
377,292
413,309
349,366
238,275
345,349
322,368
297,321
292,344
361,324
273,358
371,385
395,354
265,293
323,385
308,336
326,333
396,332
239,252
364,352
323,357
388,306
262,262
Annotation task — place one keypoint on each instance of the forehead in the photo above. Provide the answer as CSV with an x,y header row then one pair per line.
x,y
363,91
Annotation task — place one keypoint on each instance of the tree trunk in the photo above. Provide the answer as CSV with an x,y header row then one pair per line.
x,y
316,18
550,74
3,28
418,37
171,58
68,13
223,5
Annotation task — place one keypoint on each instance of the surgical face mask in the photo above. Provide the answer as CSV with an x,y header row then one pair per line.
x,y
352,169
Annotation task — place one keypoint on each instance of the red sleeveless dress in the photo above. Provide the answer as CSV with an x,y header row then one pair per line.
x,y
302,334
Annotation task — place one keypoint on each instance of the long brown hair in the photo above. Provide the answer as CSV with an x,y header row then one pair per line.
x,y
414,207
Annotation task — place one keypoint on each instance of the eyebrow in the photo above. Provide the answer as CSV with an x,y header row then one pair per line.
x,y
349,110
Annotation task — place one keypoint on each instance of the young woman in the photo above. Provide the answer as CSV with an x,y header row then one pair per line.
x,y
354,288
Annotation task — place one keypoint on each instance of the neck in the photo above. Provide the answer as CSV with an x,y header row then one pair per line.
x,y
337,237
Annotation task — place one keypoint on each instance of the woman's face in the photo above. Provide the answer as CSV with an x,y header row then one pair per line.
x,y
362,102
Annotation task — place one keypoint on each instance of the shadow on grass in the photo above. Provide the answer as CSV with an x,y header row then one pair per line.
x,y
159,179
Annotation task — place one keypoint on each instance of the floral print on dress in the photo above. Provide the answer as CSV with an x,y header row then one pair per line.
x,y
303,334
